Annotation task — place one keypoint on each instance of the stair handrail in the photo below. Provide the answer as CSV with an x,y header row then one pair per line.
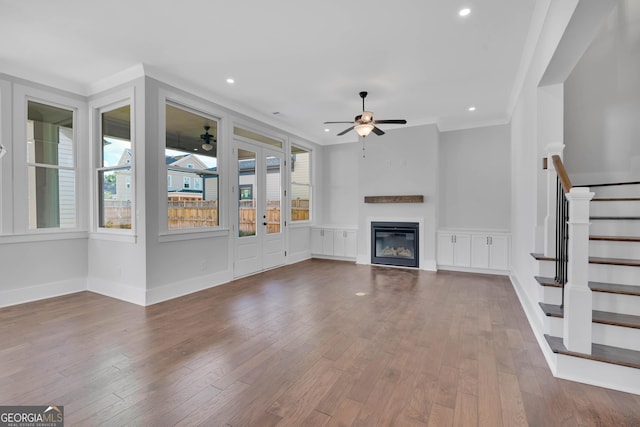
x,y
562,173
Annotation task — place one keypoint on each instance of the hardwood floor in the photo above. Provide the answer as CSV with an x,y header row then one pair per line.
x,y
296,346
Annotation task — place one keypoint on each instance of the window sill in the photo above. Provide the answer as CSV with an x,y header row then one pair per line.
x,y
39,237
114,237
192,234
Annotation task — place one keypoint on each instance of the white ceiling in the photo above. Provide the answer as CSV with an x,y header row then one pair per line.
x,y
307,60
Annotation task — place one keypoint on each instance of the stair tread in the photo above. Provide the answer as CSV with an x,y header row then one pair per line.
x,y
595,260
615,261
603,317
614,288
542,257
548,281
615,218
611,288
615,199
599,352
616,238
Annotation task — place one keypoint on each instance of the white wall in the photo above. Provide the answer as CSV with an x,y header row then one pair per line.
x,y
475,181
602,103
402,162
340,184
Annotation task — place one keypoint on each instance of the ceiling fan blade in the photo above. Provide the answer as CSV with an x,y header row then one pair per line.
x,y
345,131
378,131
328,123
399,122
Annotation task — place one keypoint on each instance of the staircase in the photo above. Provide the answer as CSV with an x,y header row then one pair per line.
x,y
614,279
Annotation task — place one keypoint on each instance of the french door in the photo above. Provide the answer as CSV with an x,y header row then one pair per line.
x,y
259,232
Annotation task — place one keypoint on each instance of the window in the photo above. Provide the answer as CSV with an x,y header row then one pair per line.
x,y
115,170
300,183
50,166
191,158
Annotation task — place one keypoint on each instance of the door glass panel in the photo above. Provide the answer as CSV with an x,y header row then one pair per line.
x,y
247,187
273,194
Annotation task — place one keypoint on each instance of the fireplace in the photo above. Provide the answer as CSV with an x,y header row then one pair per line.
x,y
394,243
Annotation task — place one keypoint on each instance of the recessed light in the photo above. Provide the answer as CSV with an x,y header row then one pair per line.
x,y
230,81
360,294
326,129
464,12
472,108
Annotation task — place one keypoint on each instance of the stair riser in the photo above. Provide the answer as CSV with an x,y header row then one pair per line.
x,y
551,295
615,228
614,274
609,249
616,336
599,273
615,208
616,303
546,268
617,191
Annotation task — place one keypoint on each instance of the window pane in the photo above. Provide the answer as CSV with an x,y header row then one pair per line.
x,y
273,194
115,200
116,137
52,200
247,199
49,135
300,183
192,172
257,137
300,202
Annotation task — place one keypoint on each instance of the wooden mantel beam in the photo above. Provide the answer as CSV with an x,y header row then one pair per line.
x,y
394,199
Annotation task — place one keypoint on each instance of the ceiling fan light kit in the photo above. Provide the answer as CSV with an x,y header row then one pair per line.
x,y
364,124
363,129
207,137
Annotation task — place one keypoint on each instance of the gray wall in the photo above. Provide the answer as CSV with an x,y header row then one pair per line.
x,y
602,103
475,184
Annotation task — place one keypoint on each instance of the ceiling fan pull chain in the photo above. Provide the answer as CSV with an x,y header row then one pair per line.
x,y
363,153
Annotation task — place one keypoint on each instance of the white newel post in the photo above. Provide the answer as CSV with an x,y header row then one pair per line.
x,y
552,193
577,294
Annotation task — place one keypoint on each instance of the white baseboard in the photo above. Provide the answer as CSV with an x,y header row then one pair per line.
x,y
295,257
534,313
471,270
42,291
186,287
599,374
117,290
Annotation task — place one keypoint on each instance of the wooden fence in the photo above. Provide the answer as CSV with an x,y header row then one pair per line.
x,y
204,213
192,213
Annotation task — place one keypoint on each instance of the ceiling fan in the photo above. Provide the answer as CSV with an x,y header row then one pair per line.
x,y
364,123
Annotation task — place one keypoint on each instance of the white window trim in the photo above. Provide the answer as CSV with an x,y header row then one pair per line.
x,y
207,109
22,95
310,150
6,165
97,107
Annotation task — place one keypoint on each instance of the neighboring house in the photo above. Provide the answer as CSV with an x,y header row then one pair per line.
x,y
247,179
191,185
123,178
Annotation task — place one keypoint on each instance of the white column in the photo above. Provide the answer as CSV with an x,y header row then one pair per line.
x,y
550,218
577,294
